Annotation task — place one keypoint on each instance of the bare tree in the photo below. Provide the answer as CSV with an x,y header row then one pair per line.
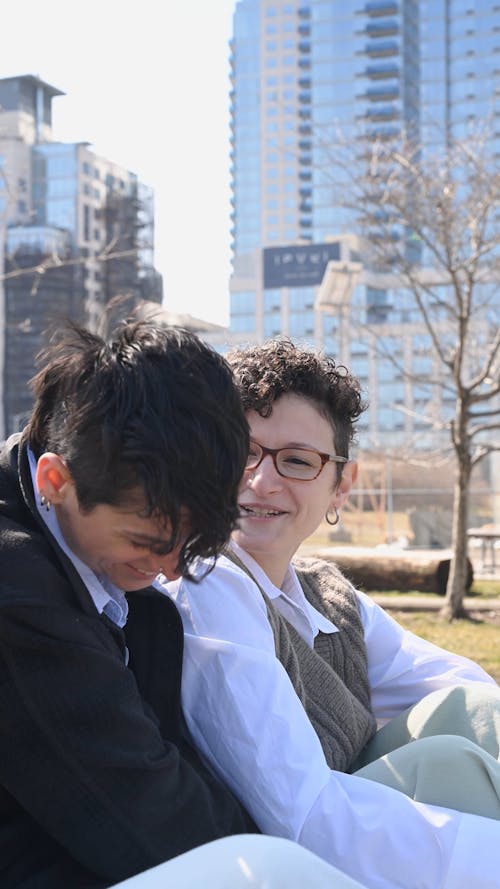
x,y
431,228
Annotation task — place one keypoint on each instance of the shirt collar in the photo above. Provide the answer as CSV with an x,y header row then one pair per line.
x,y
289,600
107,598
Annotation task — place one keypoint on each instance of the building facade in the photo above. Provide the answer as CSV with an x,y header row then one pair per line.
x,y
304,77
76,231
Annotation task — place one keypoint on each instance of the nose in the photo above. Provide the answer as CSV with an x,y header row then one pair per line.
x,y
265,475
165,564
169,564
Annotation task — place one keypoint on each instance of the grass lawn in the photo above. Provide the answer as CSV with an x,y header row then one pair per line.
x,y
477,638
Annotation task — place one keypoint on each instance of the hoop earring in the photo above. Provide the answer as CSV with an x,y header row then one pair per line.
x,y
336,519
44,501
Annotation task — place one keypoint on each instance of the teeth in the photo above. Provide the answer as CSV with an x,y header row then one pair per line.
x,y
260,512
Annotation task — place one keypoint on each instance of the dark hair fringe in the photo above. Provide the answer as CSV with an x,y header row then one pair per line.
x,y
153,408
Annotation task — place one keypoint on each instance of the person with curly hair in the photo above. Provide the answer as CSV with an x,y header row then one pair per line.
x,y
302,693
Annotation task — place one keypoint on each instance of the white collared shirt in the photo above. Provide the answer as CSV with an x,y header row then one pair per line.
x,y
247,721
289,600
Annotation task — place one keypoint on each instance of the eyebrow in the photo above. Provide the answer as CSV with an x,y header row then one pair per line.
x,y
301,446
152,541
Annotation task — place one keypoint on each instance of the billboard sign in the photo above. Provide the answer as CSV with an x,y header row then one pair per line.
x,y
301,265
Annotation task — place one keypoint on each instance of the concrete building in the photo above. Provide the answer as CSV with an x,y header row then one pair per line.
x,y
76,230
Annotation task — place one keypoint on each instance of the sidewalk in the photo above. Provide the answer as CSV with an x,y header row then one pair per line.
x,y
430,602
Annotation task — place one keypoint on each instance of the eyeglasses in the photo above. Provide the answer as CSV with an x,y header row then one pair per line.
x,y
299,463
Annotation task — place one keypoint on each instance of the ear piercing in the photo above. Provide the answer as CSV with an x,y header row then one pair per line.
x,y
329,519
44,501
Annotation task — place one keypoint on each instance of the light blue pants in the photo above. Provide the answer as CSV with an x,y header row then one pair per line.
x,y
444,750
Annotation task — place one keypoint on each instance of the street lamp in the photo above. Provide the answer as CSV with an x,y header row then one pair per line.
x,y
334,297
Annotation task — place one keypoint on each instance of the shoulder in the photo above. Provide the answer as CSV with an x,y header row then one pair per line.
x,y
223,602
325,574
29,568
326,588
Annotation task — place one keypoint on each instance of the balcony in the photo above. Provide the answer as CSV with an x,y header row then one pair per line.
x,y
380,7
387,28
382,113
382,72
384,133
382,49
380,93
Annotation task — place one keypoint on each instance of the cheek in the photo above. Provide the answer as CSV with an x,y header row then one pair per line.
x,y
319,502
245,479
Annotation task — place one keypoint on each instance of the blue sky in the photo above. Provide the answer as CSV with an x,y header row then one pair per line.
x,y
147,85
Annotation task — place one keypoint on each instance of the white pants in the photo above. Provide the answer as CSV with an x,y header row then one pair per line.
x,y
246,861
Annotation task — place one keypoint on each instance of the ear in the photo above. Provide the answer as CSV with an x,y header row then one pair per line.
x,y
343,489
52,477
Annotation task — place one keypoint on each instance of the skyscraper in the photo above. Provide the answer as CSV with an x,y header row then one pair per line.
x,y
76,230
305,74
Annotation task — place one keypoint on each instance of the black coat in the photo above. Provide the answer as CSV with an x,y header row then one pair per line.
x,y
97,779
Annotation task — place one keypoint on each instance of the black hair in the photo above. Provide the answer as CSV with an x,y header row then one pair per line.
x,y
154,408
264,373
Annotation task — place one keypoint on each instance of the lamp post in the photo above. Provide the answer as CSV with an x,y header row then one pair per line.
x,y
334,297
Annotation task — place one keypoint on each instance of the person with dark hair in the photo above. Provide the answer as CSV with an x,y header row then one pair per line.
x,y
129,466
303,694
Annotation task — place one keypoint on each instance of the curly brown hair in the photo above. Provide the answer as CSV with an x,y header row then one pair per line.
x,y
264,373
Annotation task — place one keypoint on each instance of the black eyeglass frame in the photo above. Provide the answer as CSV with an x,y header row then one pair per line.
x,y
273,452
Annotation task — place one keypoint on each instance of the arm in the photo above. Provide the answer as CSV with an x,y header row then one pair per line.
x,y
403,668
83,755
246,718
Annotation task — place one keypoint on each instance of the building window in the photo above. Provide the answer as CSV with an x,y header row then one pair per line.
x,y
242,303
86,222
272,300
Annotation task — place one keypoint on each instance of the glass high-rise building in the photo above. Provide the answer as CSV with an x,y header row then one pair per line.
x,y
76,230
303,74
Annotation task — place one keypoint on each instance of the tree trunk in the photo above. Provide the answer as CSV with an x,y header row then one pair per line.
x,y
426,572
457,580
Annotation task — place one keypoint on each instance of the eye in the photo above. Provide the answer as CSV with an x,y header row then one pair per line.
x,y
137,545
298,460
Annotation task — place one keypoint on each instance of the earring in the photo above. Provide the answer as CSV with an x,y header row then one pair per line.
x,y
44,501
336,519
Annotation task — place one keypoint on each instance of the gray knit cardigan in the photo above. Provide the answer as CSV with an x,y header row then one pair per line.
x,y
331,680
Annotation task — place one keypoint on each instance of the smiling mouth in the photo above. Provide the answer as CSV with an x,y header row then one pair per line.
x,y
248,511
142,573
